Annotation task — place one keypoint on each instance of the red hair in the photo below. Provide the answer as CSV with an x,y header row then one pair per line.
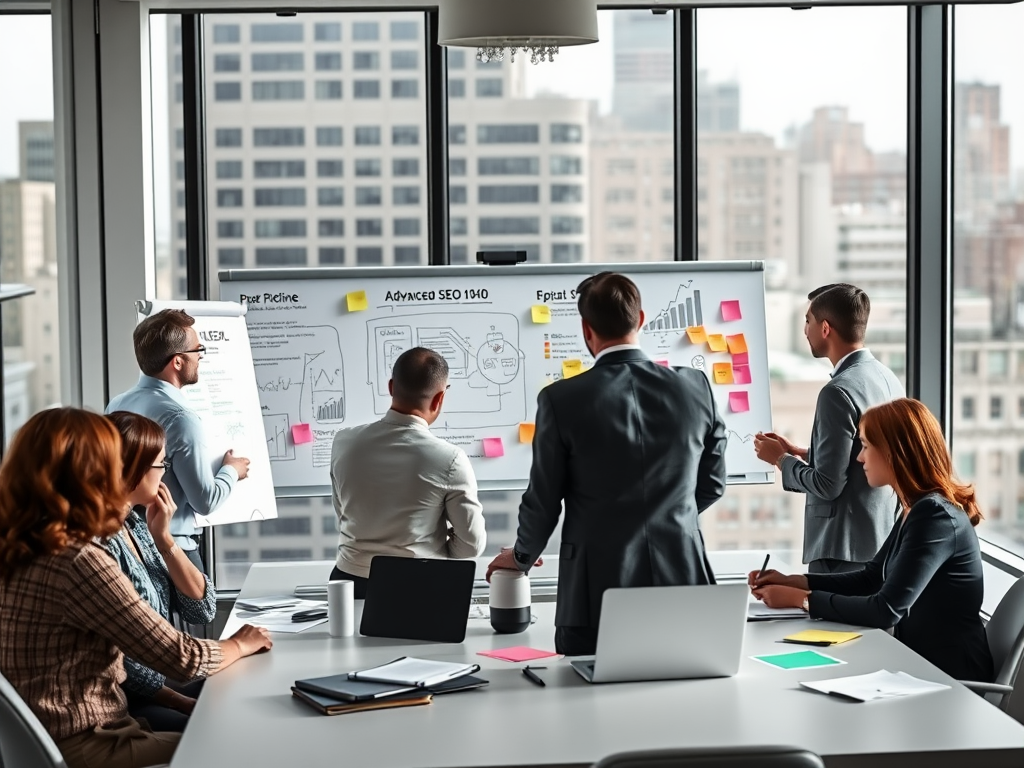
x,y
59,482
910,438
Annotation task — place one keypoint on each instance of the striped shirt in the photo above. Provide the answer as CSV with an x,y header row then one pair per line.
x,y
152,580
64,620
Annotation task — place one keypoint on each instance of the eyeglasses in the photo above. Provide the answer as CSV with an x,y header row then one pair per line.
x,y
200,350
163,466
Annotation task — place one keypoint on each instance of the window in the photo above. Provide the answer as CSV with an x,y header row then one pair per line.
x,y
508,166
369,228
227,62
405,167
456,134
368,196
456,88
457,225
284,554
277,62
368,256
508,193
228,230
405,59
456,194
368,167
509,225
229,169
404,30
280,196
489,87
228,137
405,135
566,225
278,90
507,134
406,227
327,90
407,255
456,58
327,32
458,254
566,193
276,33
329,256
230,257
331,228
226,33
327,62
229,198
567,253
405,89
328,136
330,168
278,137
283,257
330,196
563,133
365,30
405,195
998,363
968,360
365,60
566,165
280,228
366,89
456,166
227,91
995,407
279,169
367,135
967,408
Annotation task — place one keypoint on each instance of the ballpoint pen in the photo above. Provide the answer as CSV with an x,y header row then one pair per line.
x,y
532,676
763,567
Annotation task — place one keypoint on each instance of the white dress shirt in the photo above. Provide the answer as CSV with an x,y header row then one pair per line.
x,y
616,348
399,490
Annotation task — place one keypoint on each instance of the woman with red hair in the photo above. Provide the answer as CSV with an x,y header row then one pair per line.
x,y
66,610
926,581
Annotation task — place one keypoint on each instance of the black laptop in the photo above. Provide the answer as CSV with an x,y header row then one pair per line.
x,y
414,599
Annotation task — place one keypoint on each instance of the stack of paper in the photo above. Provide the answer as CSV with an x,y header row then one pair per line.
x,y
280,619
758,611
418,673
876,685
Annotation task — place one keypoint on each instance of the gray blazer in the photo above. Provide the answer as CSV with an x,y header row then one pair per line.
x,y
636,451
844,517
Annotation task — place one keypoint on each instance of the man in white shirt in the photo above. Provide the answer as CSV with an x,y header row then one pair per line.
x,y
398,489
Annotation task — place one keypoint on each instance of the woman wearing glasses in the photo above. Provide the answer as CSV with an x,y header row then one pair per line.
x,y
161,573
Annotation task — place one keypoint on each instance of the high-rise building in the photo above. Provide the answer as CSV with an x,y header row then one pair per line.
x,y
981,178
718,105
35,150
642,96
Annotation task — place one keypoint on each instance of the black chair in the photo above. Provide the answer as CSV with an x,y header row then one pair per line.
x,y
715,757
24,743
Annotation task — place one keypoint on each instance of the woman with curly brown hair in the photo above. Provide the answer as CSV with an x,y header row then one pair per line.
x,y
67,611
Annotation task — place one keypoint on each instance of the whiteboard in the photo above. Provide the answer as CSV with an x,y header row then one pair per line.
x,y
323,359
226,400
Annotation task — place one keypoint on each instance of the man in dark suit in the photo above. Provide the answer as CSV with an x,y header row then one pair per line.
x,y
636,451
845,519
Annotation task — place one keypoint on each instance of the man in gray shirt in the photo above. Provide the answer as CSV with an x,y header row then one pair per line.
x,y
845,519
398,489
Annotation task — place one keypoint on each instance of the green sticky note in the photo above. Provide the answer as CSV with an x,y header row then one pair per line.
x,y
798,660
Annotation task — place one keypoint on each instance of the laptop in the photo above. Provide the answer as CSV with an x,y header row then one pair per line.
x,y
413,599
668,633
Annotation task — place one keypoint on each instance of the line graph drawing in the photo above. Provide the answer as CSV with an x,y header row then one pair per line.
x,y
280,384
326,389
278,446
683,311
742,438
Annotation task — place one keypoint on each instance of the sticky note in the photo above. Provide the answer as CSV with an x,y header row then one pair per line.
x,y
526,430
356,301
739,402
697,334
517,653
301,433
571,368
717,342
731,311
822,636
737,344
741,374
541,313
493,447
743,358
722,373
798,660
662,361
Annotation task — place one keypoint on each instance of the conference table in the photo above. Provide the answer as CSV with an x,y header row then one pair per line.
x,y
247,716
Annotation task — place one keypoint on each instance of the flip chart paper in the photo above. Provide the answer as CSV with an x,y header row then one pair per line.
x,y
739,402
741,374
717,342
301,433
356,301
541,313
526,431
737,344
697,334
571,368
722,373
493,447
731,310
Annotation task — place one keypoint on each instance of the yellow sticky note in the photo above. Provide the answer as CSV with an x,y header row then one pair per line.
x,y
526,431
822,636
723,373
541,313
356,301
717,342
571,368
737,344
697,334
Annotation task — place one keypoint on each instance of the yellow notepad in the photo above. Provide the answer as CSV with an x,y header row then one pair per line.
x,y
822,636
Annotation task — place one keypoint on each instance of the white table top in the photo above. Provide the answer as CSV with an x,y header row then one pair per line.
x,y
246,715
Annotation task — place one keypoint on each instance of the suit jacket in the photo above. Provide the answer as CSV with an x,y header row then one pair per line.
x,y
636,451
844,517
926,582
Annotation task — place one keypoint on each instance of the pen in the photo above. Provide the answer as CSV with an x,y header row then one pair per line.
x,y
818,643
761,572
532,676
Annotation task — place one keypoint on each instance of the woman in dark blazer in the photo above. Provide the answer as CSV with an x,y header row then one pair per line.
x,y
926,581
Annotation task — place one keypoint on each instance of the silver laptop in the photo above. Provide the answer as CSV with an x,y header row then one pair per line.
x,y
668,633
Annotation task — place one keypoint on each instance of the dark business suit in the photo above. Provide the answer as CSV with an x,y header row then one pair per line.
x,y
926,582
845,519
637,451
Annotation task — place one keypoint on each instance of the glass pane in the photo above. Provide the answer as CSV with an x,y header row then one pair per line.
x,y
804,167
570,160
28,234
988,300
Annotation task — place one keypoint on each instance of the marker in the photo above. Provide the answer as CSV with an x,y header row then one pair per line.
x,y
532,676
761,572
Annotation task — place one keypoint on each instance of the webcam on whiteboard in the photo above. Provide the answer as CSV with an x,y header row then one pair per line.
x,y
501,258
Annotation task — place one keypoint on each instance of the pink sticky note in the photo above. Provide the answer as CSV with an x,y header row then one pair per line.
x,y
739,402
741,374
301,433
663,361
493,447
731,310
517,653
741,358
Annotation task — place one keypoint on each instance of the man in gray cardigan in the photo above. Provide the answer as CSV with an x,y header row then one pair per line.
x,y
845,519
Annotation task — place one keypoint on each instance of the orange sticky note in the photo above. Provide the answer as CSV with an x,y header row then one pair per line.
x,y
526,431
301,433
356,301
697,334
493,447
739,402
722,373
737,344
717,342
741,374
541,313
571,368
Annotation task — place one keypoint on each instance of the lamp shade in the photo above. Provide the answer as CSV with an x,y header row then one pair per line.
x,y
483,23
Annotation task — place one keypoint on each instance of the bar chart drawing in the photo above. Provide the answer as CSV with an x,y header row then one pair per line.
x,y
276,427
682,312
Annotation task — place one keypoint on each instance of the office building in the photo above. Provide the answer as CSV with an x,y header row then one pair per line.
x,y
35,150
643,87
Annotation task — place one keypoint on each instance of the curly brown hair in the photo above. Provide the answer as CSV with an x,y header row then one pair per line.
x,y
60,481
142,440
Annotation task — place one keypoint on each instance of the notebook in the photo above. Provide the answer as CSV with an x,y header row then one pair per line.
x,y
417,673
328,705
267,603
343,688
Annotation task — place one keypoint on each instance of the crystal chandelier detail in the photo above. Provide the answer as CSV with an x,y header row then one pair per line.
x,y
538,53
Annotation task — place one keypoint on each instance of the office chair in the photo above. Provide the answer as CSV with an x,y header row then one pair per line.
x,y
24,743
715,757
1005,633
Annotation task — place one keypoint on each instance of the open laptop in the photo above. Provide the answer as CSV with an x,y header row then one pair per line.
x,y
415,599
668,633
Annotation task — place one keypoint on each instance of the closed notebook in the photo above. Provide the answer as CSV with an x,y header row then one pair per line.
x,y
419,673
328,705
342,688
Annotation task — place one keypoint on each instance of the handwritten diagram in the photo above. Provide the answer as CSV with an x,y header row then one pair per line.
x,y
278,445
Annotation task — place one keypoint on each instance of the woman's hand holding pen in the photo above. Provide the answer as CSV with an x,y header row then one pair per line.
x,y
776,590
